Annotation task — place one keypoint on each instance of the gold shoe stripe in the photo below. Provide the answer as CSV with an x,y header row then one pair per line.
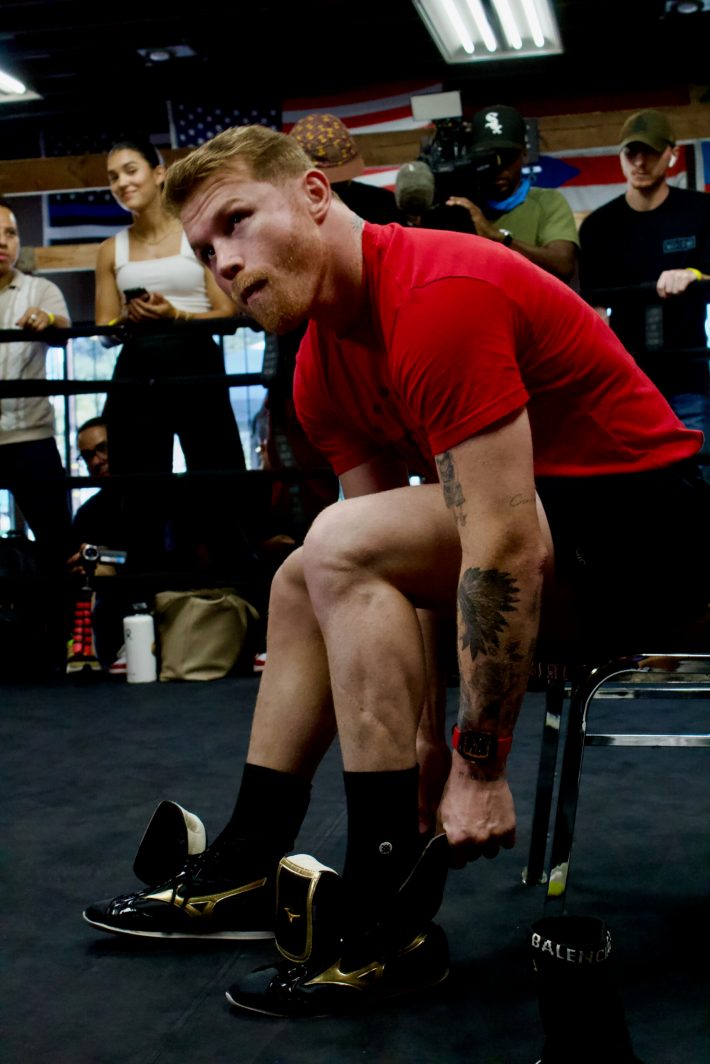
x,y
205,904
362,978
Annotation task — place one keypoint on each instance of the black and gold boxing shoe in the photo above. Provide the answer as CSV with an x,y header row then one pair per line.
x,y
226,892
327,969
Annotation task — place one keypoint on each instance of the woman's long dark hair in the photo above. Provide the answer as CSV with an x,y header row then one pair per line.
x,y
151,155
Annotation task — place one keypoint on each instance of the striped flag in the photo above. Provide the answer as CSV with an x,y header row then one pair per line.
x,y
192,123
82,217
591,178
703,167
379,109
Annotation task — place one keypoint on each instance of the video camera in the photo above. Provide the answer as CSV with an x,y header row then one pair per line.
x,y
94,555
459,170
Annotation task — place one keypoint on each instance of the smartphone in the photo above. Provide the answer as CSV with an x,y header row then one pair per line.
x,y
134,293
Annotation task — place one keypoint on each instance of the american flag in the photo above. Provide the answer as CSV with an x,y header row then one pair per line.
x,y
379,109
192,123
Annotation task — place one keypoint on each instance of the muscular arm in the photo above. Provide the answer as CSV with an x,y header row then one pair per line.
x,y
489,487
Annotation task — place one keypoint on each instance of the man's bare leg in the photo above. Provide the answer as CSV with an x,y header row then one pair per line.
x,y
368,563
293,719
228,891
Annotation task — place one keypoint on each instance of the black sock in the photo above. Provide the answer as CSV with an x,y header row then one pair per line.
x,y
383,838
269,810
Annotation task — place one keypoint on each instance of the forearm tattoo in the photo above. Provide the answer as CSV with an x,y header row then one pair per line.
x,y
490,697
485,596
453,492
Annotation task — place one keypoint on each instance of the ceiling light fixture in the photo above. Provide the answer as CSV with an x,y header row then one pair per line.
x,y
469,31
686,7
11,86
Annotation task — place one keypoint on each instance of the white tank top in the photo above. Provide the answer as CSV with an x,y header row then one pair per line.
x,y
180,278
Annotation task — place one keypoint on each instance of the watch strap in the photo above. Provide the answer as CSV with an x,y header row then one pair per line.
x,y
483,748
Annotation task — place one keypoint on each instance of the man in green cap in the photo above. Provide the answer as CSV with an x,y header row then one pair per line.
x,y
654,234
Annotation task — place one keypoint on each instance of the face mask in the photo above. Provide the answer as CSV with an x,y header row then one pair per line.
x,y
515,200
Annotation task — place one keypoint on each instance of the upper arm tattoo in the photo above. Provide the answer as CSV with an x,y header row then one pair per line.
x,y
453,492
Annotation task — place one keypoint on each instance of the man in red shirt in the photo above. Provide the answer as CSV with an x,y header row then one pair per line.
x,y
456,359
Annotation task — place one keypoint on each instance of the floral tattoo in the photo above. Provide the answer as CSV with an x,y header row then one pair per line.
x,y
485,596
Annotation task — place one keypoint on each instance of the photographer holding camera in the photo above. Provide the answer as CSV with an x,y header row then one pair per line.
x,y
537,222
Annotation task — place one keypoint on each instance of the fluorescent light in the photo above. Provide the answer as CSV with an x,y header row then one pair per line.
x,y
482,24
471,31
10,85
457,22
533,22
510,29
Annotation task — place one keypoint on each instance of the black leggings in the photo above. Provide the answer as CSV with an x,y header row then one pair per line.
x,y
141,422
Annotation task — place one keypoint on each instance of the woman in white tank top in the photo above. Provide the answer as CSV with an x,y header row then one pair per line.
x,y
153,256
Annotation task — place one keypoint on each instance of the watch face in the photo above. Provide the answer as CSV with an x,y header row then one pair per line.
x,y
477,746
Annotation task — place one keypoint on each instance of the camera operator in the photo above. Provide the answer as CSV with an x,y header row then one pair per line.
x,y
537,222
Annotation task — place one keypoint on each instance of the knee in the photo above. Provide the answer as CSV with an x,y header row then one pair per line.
x,y
335,553
288,586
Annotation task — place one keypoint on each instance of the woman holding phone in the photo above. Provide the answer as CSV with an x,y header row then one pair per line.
x,y
148,277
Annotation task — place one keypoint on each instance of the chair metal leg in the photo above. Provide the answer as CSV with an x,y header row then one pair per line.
x,y
534,873
688,673
583,690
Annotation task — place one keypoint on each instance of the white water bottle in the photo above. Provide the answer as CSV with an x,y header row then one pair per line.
x,y
139,637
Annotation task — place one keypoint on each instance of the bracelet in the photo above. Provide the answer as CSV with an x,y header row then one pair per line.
x,y
51,318
696,273
114,321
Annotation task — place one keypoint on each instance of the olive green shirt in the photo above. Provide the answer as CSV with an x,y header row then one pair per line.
x,y
544,216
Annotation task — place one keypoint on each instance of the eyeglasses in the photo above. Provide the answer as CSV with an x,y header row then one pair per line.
x,y
100,449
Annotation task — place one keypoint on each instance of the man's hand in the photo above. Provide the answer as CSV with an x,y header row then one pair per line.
x,y
673,282
483,226
75,564
36,319
477,814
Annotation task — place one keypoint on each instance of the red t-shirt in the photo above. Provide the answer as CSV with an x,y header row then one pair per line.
x,y
458,332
